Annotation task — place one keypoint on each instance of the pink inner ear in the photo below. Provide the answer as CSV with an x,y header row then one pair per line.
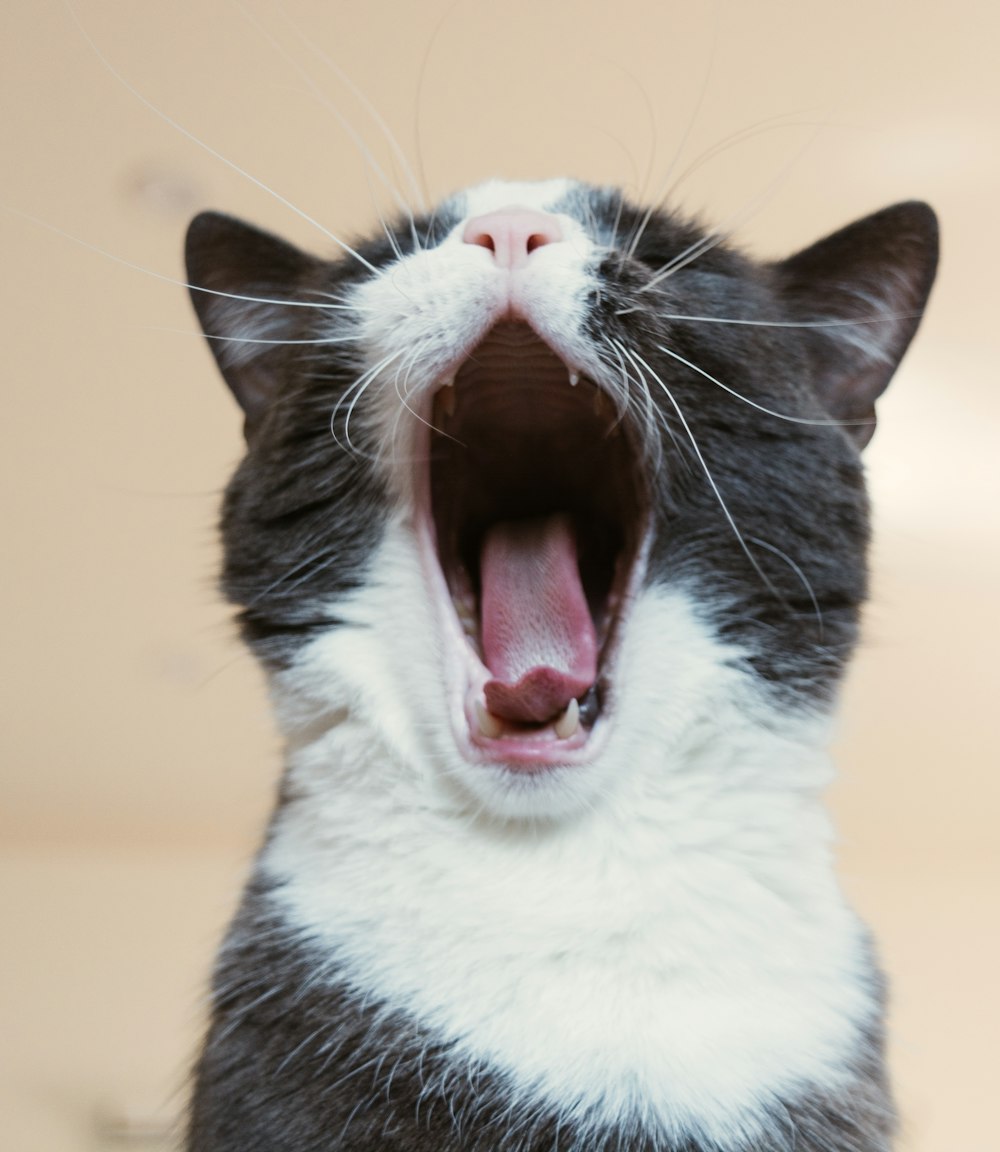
x,y
538,637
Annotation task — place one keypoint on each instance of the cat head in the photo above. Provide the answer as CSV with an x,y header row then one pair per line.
x,y
543,479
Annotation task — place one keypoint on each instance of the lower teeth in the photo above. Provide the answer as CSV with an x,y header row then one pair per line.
x,y
569,721
489,725
565,725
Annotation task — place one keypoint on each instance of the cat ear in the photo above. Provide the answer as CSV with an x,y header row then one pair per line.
x,y
239,277
877,272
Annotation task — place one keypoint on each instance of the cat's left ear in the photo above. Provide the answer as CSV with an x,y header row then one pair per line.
x,y
876,274
247,287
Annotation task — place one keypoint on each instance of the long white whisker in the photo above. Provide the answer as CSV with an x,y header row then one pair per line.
x,y
652,447
309,567
215,338
729,226
188,135
758,128
692,252
679,150
819,423
638,360
640,184
403,369
419,95
405,394
618,219
351,396
325,102
798,572
175,280
369,107
885,318
389,234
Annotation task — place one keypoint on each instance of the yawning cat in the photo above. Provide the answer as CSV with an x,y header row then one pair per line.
x,y
551,535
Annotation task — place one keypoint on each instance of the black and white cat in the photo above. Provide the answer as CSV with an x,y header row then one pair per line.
x,y
551,535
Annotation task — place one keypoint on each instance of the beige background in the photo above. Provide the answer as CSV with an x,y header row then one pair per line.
x,y
138,758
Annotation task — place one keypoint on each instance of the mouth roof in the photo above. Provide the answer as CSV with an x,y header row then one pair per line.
x,y
539,510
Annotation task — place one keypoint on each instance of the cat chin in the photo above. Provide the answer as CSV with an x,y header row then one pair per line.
x,y
402,858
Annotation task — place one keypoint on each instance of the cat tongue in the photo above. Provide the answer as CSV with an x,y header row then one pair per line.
x,y
538,639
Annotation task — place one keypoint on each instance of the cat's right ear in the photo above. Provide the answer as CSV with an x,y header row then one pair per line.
x,y
860,294
240,279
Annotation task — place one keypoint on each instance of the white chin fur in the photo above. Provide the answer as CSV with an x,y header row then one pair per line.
x,y
660,925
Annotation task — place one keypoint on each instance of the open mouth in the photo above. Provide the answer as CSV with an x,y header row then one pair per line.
x,y
540,513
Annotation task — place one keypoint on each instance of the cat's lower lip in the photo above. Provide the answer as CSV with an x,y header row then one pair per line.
x,y
522,448
538,748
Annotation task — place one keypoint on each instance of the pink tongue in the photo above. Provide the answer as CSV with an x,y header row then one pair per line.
x,y
538,638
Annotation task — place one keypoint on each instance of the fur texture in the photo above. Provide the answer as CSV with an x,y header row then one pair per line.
x,y
633,938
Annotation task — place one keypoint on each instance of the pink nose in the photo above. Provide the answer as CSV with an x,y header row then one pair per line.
x,y
513,233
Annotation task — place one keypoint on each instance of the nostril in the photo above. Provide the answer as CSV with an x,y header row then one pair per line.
x,y
482,238
513,234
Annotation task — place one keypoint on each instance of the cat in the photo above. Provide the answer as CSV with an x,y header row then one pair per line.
x,y
551,537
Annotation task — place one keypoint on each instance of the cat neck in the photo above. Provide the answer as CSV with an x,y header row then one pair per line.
x,y
682,947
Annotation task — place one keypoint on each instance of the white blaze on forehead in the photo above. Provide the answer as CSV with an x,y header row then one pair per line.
x,y
543,195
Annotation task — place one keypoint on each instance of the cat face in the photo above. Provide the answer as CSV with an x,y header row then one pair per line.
x,y
543,481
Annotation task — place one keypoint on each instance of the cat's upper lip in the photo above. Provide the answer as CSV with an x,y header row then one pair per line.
x,y
536,513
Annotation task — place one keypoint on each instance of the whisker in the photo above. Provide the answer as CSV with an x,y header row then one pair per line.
x,y
618,219
324,101
638,360
758,128
404,370
175,281
814,422
394,439
729,226
798,572
311,566
355,390
311,559
188,135
884,318
639,183
389,234
369,107
679,150
689,254
421,84
652,448
250,339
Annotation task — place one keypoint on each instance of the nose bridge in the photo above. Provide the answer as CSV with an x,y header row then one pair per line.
x,y
513,233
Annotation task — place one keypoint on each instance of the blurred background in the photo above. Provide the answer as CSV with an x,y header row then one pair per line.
x,y
139,760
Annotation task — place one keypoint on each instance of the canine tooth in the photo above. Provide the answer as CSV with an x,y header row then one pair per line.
x,y
574,379
489,725
448,382
569,721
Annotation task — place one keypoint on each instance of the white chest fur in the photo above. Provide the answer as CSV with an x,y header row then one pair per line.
x,y
674,946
